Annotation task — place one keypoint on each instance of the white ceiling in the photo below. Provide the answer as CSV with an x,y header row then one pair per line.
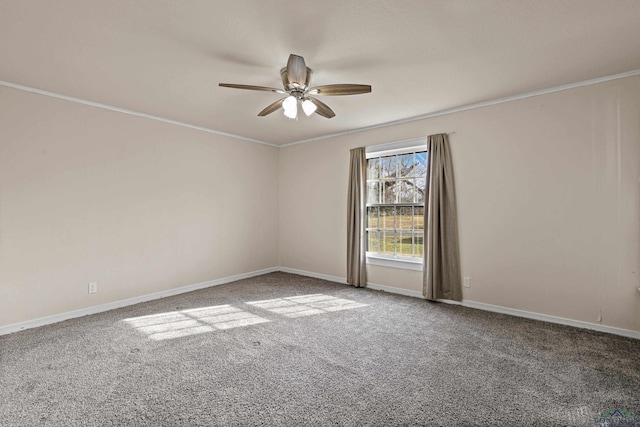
x,y
166,58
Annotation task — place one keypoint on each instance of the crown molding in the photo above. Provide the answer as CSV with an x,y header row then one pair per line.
x,y
473,106
332,135
129,112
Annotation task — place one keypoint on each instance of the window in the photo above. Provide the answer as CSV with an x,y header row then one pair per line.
x,y
395,203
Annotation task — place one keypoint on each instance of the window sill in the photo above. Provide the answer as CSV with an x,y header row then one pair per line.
x,y
394,262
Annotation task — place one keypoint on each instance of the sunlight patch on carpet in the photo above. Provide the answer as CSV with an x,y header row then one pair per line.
x,y
183,323
306,305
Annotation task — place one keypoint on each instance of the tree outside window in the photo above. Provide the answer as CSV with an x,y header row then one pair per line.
x,y
395,204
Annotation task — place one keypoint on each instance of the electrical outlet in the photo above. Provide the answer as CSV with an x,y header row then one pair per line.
x,y
467,282
93,287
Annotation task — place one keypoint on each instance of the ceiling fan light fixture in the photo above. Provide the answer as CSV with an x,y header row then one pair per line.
x,y
290,103
291,113
290,106
308,107
296,78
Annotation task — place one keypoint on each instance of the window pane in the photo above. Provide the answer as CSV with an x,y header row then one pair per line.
x,y
386,217
420,165
404,191
419,189
373,192
418,219
373,168
404,217
388,167
387,242
388,191
372,217
372,241
404,243
418,241
396,180
405,165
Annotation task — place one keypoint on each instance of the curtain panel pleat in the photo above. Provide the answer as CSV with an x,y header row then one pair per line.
x,y
441,255
356,244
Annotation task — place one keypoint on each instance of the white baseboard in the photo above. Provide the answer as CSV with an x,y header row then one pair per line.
x,y
394,290
480,306
343,281
391,289
15,327
551,319
337,279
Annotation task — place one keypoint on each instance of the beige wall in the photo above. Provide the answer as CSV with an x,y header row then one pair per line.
x,y
138,206
548,197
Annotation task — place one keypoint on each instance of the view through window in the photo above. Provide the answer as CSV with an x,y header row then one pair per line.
x,y
395,204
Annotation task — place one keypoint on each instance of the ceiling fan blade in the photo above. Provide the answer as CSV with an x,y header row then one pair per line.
x,y
296,70
323,109
250,87
271,108
341,89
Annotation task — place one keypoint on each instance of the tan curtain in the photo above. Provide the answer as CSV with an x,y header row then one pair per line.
x,y
441,254
356,247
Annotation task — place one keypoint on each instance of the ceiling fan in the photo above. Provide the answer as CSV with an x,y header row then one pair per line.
x,y
295,79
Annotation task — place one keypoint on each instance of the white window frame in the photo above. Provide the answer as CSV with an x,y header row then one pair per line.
x,y
400,147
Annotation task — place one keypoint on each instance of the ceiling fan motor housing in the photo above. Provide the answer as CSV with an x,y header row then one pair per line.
x,y
291,87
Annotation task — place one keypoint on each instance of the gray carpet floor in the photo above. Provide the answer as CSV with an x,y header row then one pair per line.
x,y
282,349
